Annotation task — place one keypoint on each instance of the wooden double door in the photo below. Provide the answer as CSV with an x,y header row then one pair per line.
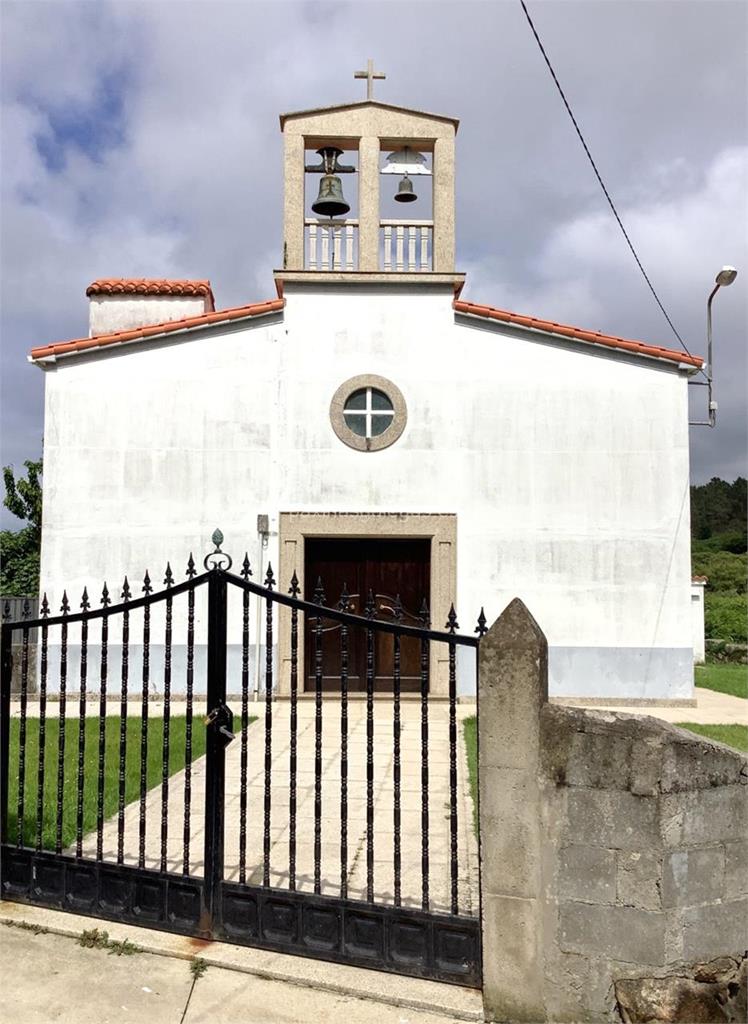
x,y
387,569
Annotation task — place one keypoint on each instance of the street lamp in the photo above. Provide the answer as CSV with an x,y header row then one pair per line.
x,y
724,278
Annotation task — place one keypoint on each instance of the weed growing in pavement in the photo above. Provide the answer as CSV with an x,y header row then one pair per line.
x,y
95,939
198,967
25,926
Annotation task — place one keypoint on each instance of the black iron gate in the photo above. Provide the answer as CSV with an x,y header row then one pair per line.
x,y
106,816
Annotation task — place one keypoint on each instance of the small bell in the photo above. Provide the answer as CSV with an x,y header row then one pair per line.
x,y
330,201
405,193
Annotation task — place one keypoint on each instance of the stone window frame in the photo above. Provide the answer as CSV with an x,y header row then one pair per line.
x,y
379,441
438,527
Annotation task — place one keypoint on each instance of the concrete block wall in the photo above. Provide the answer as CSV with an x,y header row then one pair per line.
x,y
613,846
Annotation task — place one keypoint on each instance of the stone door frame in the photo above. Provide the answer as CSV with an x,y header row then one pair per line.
x,y
440,528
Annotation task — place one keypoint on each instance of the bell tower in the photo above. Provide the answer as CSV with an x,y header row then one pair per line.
x,y
369,193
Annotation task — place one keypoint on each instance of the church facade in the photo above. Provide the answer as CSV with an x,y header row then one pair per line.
x,y
369,427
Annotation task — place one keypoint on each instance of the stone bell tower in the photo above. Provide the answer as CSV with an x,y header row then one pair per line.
x,y
353,175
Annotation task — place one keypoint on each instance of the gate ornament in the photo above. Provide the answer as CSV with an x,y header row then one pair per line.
x,y
218,559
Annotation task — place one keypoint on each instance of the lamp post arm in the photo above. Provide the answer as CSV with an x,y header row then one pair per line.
x,y
710,364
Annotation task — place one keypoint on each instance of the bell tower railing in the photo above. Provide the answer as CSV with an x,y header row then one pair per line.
x,y
406,245
331,244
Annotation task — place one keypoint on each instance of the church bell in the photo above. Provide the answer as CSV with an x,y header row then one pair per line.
x,y
405,193
330,201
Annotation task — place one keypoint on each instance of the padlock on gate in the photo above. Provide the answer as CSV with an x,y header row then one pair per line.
x,y
221,720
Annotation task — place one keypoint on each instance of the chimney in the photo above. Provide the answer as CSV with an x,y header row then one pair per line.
x,y
121,304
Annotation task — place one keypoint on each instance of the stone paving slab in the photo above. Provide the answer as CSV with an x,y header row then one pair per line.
x,y
54,979
224,996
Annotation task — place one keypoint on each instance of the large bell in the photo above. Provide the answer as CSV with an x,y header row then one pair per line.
x,y
405,193
330,201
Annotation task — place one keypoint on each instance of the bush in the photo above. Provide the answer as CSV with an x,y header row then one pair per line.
x,y
726,572
734,542
725,617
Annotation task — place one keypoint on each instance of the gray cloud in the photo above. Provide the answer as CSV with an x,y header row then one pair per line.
x,y
187,181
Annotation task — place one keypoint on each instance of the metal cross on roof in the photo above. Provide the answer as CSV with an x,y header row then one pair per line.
x,y
370,74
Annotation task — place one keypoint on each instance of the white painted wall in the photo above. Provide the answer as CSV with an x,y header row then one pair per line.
x,y
109,313
567,467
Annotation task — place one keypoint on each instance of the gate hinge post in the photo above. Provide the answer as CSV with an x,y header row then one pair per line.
x,y
215,760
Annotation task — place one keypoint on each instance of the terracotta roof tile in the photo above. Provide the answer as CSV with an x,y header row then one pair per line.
x,y
149,286
595,337
65,348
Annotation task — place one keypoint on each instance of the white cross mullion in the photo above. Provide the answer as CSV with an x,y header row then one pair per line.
x,y
368,413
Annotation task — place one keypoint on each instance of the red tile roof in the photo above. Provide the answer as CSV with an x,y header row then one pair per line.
x,y
149,286
577,333
699,579
64,348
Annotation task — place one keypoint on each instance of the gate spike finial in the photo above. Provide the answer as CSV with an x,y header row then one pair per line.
x,y
191,570
397,611
45,606
344,598
269,579
294,588
371,606
423,614
147,588
6,611
168,575
246,570
319,592
126,590
85,603
217,559
105,598
26,612
65,606
452,623
481,629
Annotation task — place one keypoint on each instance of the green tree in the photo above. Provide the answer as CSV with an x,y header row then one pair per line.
x,y
19,549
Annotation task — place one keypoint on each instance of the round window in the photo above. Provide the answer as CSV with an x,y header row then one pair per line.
x,y
368,413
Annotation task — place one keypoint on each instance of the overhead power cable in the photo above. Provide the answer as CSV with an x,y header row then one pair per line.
x,y
599,178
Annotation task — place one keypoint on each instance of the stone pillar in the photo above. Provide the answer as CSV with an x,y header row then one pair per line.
x,y
368,203
293,203
512,688
444,206
697,619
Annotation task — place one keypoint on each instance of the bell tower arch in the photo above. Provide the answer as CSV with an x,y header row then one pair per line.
x,y
384,181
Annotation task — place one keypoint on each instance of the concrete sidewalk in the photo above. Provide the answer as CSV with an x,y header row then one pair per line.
x,y
712,708
48,976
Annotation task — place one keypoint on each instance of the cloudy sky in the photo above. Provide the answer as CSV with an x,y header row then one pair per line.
x,y
142,139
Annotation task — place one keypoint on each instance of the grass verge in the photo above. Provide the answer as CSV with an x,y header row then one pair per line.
x,y
90,770
733,735
470,732
732,679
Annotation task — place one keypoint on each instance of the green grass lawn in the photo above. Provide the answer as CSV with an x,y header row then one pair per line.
x,y
733,735
732,679
90,770
470,732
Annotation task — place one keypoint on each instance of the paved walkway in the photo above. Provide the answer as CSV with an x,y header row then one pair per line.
x,y
331,827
